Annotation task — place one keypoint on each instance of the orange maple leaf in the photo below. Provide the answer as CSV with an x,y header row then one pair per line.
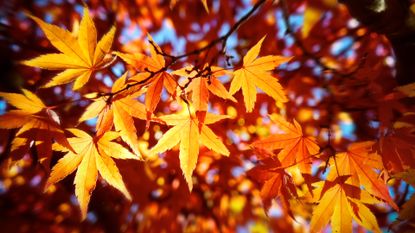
x,y
185,132
340,203
36,122
80,56
201,84
151,66
397,147
93,155
118,111
255,73
398,150
296,147
276,183
360,163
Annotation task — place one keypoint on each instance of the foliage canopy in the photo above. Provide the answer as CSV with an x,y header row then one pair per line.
x,y
204,116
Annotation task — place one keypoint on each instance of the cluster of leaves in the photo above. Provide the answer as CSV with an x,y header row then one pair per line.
x,y
81,55
291,160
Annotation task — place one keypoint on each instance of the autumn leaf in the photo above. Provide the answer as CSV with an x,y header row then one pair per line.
x,y
340,203
398,150
295,147
397,147
185,131
360,163
275,183
80,56
151,67
119,111
255,73
93,155
35,121
201,84
339,157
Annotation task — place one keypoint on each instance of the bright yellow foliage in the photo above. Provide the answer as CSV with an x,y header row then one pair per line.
x,y
93,155
340,203
255,73
119,111
185,132
80,56
32,115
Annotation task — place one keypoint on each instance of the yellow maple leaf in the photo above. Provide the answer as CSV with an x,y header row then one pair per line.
x,y
80,56
36,122
185,132
341,203
118,111
296,147
93,155
255,73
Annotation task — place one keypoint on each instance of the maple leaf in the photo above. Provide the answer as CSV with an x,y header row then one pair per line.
x,y
397,147
340,203
201,84
36,122
276,183
255,73
93,155
151,66
398,150
185,132
118,111
359,163
296,147
80,56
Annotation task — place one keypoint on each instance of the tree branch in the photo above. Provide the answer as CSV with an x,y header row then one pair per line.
x,y
222,39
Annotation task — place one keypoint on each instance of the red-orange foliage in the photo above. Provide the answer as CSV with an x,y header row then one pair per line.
x,y
204,116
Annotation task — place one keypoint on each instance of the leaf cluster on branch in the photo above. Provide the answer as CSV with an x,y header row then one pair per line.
x,y
202,114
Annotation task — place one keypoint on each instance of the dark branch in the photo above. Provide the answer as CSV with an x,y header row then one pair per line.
x,y
222,39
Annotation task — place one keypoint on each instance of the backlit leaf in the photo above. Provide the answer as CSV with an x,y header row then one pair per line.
x,y
93,155
80,55
255,73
